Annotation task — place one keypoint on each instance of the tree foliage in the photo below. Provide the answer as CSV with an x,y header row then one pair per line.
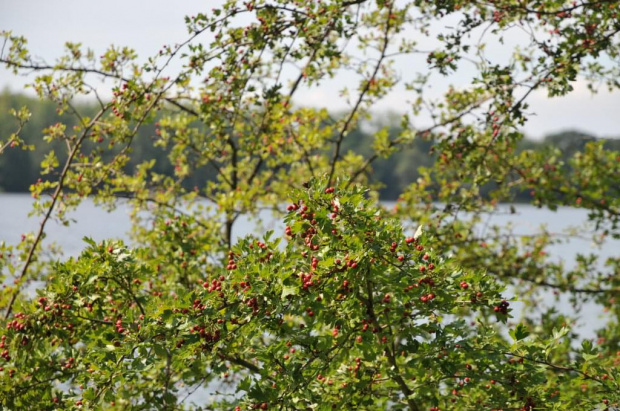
x,y
349,309
392,174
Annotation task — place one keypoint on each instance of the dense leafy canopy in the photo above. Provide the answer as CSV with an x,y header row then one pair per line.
x,y
350,308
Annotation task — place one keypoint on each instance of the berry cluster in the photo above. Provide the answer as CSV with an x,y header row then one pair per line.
x,y
197,305
253,304
427,298
502,307
231,261
119,326
393,247
206,335
358,364
366,325
245,286
263,246
216,284
292,207
308,235
307,280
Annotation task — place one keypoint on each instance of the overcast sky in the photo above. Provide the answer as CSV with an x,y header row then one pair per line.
x,y
147,25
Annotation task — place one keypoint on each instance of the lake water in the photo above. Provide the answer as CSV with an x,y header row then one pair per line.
x,y
91,221
99,224
94,222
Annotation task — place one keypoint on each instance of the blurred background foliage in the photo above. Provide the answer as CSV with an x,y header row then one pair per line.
x,y
21,168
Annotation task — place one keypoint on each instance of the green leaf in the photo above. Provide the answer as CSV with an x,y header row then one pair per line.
x,y
288,290
519,332
558,334
160,350
586,345
589,357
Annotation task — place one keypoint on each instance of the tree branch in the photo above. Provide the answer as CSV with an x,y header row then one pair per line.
x,y
55,196
404,388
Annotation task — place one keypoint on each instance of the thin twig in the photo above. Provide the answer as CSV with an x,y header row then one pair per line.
x,y
55,197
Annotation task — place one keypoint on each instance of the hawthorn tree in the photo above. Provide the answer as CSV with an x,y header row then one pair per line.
x,y
349,308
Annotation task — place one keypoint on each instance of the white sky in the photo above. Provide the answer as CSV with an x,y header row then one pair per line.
x,y
147,25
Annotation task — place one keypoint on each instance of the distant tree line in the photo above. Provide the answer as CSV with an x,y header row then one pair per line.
x,y
20,168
